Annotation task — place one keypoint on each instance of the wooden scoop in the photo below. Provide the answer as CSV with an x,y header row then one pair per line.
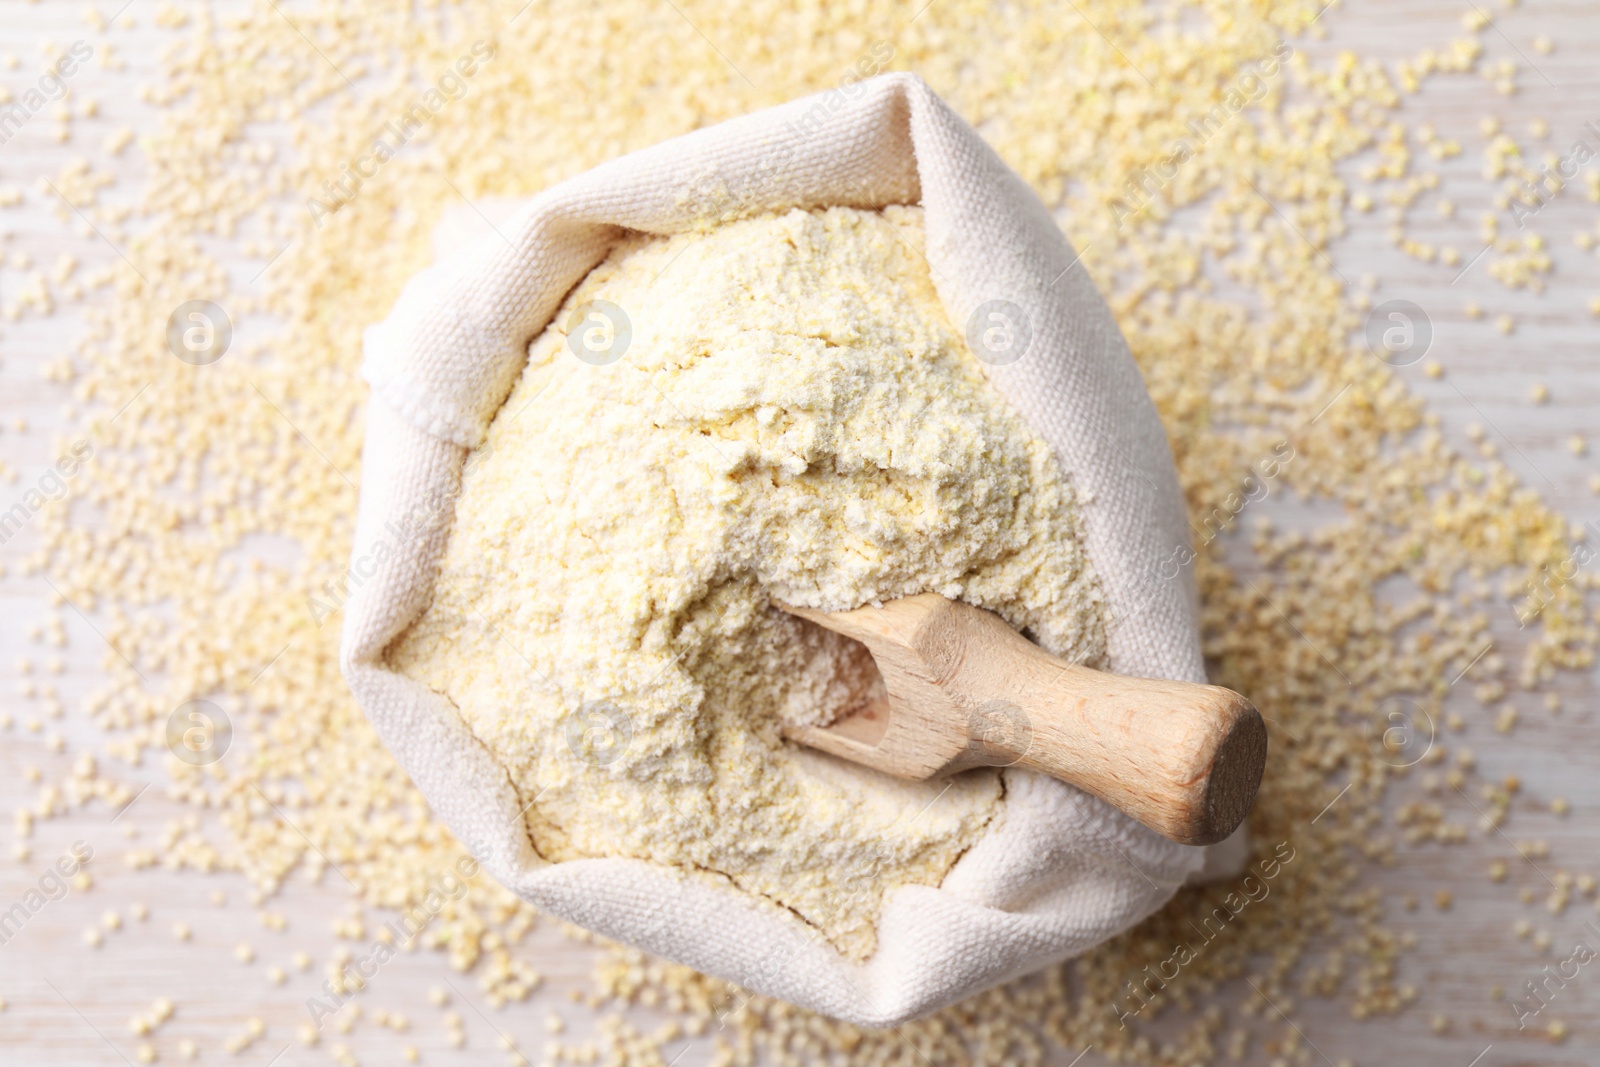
x,y
962,689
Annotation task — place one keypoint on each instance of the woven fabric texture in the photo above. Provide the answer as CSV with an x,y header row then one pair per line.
x,y
1058,871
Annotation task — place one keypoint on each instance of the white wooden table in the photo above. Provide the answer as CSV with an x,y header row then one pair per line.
x,y
68,1004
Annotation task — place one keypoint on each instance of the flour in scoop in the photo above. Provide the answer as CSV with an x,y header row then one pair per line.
x,y
776,409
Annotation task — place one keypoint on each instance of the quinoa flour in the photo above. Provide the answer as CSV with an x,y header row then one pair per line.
x,y
793,419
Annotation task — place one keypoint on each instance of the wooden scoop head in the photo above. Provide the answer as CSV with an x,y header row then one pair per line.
x,y
962,689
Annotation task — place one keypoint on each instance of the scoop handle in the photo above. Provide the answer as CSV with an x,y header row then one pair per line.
x,y
1182,758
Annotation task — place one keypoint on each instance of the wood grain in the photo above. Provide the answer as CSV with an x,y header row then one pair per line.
x,y
964,690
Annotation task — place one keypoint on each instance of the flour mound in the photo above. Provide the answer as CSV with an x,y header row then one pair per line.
x,y
793,419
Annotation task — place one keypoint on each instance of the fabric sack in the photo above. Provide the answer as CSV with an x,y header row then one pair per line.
x,y
1058,871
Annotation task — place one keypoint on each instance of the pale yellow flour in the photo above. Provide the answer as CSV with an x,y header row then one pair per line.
x,y
793,419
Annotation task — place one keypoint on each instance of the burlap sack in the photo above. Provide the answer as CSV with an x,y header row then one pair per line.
x,y
1058,871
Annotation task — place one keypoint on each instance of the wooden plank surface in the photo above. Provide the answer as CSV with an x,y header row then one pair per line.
x,y
68,1004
